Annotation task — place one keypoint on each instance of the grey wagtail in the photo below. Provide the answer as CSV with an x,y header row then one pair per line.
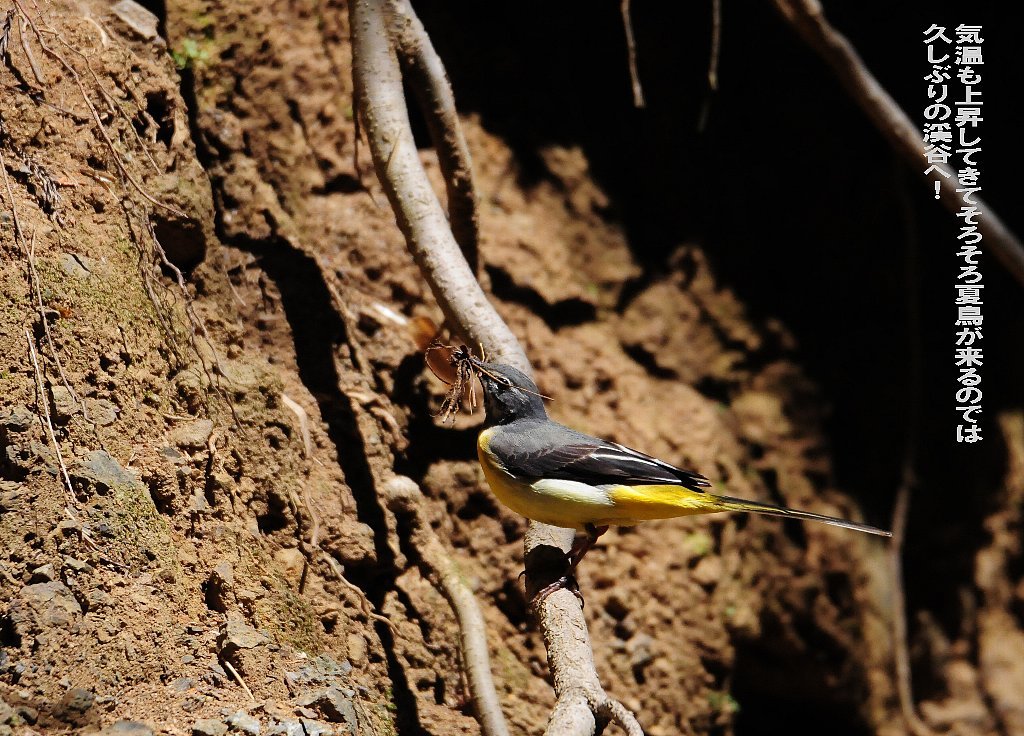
x,y
558,476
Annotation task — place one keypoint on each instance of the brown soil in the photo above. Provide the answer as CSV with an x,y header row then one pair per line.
x,y
205,551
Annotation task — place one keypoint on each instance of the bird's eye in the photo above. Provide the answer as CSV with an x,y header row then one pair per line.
x,y
506,381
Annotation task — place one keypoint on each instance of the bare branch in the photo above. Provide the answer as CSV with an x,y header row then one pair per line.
x,y
634,72
807,17
404,496
899,612
381,103
716,44
438,105
581,700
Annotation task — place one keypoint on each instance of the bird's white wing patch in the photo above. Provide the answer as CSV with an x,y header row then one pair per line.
x,y
572,492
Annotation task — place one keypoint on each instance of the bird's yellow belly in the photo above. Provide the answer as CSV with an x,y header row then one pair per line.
x,y
558,503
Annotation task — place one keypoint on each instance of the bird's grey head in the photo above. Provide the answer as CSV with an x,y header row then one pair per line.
x,y
509,394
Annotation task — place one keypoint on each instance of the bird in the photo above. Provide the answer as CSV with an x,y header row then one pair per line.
x,y
556,475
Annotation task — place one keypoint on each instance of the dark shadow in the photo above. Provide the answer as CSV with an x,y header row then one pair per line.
x,y
791,193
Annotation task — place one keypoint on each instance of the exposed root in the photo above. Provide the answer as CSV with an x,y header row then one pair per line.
x,y
634,72
300,414
808,19
382,106
438,105
402,495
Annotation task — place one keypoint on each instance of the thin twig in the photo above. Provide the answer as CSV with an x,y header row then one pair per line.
x,y
807,17
437,101
713,56
364,602
5,34
40,79
18,234
620,715
44,404
239,680
716,44
634,72
908,479
300,414
899,611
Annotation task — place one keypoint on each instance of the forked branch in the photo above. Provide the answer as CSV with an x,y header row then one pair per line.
x,y
437,102
582,702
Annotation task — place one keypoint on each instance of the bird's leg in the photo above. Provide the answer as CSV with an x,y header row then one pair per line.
x,y
583,545
580,547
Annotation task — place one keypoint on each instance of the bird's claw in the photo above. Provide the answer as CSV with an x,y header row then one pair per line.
x,y
565,581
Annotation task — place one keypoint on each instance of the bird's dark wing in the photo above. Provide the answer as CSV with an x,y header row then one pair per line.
x,y
564,456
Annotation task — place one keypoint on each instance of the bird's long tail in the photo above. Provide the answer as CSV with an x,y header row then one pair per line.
x,y
728,503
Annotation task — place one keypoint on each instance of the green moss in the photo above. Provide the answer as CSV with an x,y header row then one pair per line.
x,y
141,530
191,53
515,675
699,543
722,702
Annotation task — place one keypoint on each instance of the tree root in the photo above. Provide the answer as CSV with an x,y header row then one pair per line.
x,y
808,19
581,700
402,495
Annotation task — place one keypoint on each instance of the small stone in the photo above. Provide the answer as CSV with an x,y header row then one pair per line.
x,y
182,684
75,565
137,18
70,527
45,604
332,705
64,404
237,635
98,598
78,699
286,727
173,456
356,648
127,728
209,727
10,495
192,703
75,265
192,436
98,468
316,728
44,574
218,587
19,419
242,721
102,412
